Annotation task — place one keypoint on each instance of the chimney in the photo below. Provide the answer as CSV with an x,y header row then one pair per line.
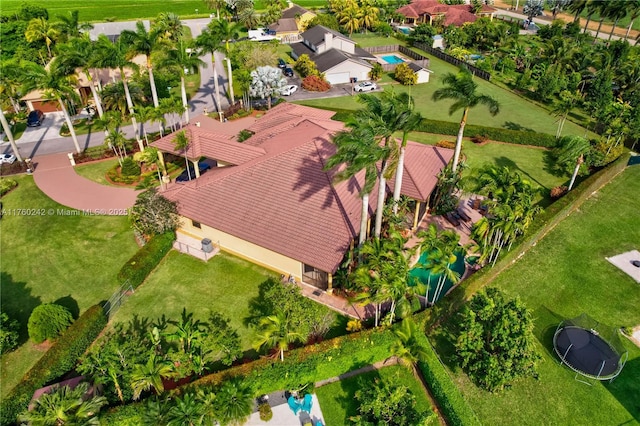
x,y
328,41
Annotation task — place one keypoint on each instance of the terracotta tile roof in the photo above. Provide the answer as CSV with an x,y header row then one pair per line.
x,y
283,200
211,145
454,14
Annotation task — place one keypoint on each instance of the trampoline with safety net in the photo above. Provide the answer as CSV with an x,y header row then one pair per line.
x,y
589,348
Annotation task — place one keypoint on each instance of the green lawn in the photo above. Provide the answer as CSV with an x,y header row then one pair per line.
x,y
337,399
122,10
50,257
224,284
97,171
564,275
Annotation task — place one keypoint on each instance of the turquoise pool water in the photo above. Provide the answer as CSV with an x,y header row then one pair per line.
x,y
404,30
423,274
392,59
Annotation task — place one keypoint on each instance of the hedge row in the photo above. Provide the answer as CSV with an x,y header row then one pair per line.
x,y
57,361
543,224
146,259
493,133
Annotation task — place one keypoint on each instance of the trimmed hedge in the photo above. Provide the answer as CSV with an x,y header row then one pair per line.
x,y
57,361
146,259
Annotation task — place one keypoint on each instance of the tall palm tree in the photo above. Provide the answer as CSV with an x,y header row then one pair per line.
x,y
11,82
181,142
169,27
572,149
616,10
603,10
145,114
65,406
209,41
54,86
577,7
40,29
234,402
592,7
370,13
276,331
143,42
182,61
7,131
78,54
407,347
563,108
357,150
351,18
172,106
463,91
70,25
150,375
217,5
633,7
225,30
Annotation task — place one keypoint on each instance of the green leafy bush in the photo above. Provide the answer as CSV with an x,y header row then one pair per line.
x,y
152,214
376,72
130,168
57,361
7,185
405,75
8,333
244,135
266,413
47,321
146,259
306,67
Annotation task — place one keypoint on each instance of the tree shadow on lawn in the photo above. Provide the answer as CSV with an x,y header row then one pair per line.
x,y
510,125
512,165
545,324
551,166
626,388
71,304
18,302
350,386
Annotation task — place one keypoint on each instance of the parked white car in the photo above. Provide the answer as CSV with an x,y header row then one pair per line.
x,y
7,158
289,90
366,86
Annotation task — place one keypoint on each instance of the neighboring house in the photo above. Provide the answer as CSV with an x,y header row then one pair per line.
x,y
335,55
294,20
113,29
429,11
422,73
274,204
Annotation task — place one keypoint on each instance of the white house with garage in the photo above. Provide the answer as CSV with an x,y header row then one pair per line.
x,y
335,55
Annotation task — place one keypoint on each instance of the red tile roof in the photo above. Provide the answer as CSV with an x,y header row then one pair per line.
x,y
454,14
283,200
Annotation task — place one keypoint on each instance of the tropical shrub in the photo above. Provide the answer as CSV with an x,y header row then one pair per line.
x,y
376,72
130,168
405,75
7,185
495,341
47,321
244,135
57,361
446,144
146,259
65,406
9,333
266,413
314,83
306,67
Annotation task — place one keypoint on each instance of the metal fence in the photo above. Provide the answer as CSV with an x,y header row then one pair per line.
x,y
117,299
455,61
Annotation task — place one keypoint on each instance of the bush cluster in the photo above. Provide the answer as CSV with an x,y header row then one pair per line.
x,y
313,83
9,333
405,75
7,185
146,259
47,321
446,144
130,168
266,413
244,135
57,361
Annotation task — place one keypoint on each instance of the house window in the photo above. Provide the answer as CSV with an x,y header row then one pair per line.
x,y
196,224
315,277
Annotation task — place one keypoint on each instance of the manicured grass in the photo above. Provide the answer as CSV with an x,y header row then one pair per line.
x,y
97,171
48,256
564,275
372,39
122,10
224,284
516,112
337,399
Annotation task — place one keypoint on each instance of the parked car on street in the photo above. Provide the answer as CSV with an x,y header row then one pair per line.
x,y
35,118
365,86
184,176
7,158
289,90
288,71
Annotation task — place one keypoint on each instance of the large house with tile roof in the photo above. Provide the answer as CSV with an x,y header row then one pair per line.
x,y
428,11
270,201
335,55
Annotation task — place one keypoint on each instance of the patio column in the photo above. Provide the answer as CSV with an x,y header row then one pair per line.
x,y
196,168
161,159
329,283
415,215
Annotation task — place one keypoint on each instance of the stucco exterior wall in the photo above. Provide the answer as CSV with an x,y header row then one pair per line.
x,y
243,249
353,69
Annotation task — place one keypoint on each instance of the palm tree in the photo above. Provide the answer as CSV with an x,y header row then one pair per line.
x,y
407,348
463,91
225,30
150,375
143,42
234,402
172,106
616,10
181,143
145,114
183,62
276,331
78,54
169,27
54,85
370,14
7,131
603,11
209,41
592,7
65,406
151,156
114,97
217,5
577,6
40,29
188,332
351,18
633,7
562,108
572,149
357,150
186,410
11,82
70,25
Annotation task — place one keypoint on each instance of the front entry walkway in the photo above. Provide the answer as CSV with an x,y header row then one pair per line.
x,y
55,176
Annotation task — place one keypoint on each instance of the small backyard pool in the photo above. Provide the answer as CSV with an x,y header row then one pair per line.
x,y
404,30
392,59
428,278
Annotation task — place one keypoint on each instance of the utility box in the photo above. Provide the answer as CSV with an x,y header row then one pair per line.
x,y
207,245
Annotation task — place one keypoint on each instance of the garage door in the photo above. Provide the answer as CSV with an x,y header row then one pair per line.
x,y
338,78
45,106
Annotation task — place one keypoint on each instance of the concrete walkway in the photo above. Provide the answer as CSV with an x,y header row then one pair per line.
x,y
55,176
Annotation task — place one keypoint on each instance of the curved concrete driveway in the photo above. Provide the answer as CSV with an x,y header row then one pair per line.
x,y
55,176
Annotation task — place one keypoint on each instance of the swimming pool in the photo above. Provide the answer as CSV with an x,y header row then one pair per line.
x,y
426,277
392,59
404,30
